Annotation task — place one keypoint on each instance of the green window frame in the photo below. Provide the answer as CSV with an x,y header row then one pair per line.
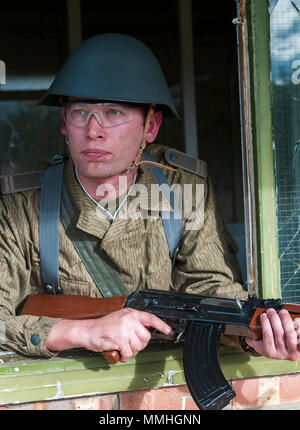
x,y
259,146
262,143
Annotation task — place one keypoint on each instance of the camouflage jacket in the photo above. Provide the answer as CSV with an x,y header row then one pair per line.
x,y
206,262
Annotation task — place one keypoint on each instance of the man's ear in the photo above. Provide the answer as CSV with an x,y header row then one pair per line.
x,y
153,127
63,128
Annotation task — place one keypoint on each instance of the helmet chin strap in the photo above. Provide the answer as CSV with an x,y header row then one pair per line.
x,y
137,162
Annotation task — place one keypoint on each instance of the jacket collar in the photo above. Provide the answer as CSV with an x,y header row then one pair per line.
x,y
150,197
145,196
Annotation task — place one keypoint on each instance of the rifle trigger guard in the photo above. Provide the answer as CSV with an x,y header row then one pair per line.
x,y
180,330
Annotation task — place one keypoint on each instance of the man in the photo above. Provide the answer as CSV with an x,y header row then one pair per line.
x,y
112,94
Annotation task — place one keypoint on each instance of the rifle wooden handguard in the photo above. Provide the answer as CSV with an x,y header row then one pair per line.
x,y
74,307
255,326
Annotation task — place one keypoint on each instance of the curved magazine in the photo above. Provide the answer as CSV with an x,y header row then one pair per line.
x,y
204,377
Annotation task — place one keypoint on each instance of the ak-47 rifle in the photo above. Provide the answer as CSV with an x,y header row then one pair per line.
x,y
199,320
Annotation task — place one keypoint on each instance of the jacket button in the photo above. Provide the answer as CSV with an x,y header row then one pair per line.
x,y
173,156
50,289
35,339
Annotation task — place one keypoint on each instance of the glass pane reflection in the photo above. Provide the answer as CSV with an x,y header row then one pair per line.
x,y
285,62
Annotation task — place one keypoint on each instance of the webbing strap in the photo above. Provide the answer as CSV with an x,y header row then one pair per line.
x,y
172,221
49,224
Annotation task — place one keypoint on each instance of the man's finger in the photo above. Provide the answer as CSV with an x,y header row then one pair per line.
x,y
150,320
289,330
277,329
268,336
296,323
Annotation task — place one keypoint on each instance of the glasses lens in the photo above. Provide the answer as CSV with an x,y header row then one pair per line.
x,y
107,115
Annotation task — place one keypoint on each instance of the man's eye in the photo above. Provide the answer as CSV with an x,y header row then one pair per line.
x,y
114,112
78,112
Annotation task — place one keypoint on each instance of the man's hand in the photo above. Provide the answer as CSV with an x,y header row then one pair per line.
x,y
124,330
281,336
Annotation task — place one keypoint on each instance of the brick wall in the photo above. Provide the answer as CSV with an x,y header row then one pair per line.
x,y
276,392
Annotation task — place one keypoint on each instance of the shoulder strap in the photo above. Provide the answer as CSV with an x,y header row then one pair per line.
x,y
49,224
187,162
172,221
21,182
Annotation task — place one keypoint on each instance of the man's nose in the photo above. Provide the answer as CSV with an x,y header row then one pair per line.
x,y
94,127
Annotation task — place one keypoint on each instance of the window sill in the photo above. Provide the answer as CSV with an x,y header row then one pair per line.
x,y
85,374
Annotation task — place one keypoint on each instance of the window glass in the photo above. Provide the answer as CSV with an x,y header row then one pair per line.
x,y
33,44
285,75
29,135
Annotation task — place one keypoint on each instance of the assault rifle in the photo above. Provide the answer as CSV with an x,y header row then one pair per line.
x,y
198,320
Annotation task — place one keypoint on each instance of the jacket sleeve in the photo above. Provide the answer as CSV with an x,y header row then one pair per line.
x,y
23,334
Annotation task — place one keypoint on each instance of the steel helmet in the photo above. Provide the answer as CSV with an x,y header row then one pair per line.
x,y
113,67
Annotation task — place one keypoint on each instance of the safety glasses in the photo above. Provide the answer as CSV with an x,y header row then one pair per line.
x,y
107,114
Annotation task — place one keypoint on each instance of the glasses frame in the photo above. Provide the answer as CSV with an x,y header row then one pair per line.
x,y
95,113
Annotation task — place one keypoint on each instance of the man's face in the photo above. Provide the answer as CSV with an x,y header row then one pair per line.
x,y
102,152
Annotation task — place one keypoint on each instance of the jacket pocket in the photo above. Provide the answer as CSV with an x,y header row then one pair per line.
x,y
160,280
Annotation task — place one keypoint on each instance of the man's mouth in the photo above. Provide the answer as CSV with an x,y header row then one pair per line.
x,y
94,153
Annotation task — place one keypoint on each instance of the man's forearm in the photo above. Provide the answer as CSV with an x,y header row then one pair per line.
x,y
124,331
66,334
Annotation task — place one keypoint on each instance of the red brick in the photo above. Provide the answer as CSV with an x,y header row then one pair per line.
x,y
18,406
107,402
268,391
247,393
62,404
104,402
166,398
289,388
